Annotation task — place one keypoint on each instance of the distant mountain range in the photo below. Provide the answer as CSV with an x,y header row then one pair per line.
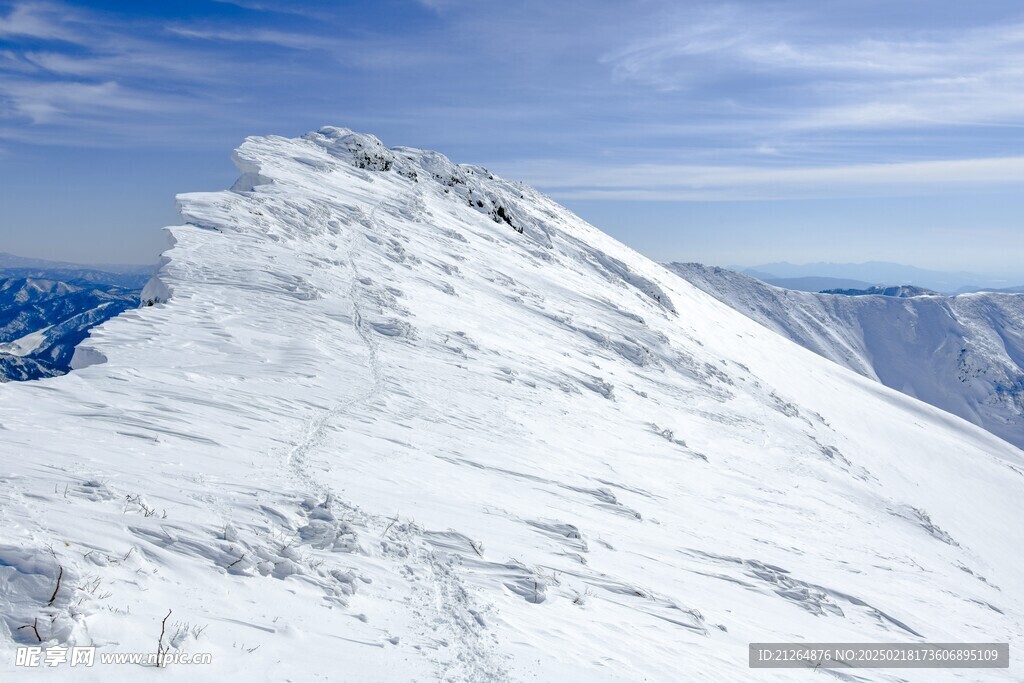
x,y
119,275
964,354
817,276
898,291
812,284
1005,290
42,320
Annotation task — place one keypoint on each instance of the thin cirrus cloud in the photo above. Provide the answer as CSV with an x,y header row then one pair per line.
x,y
271,7
40,20
724,87
70,66
118,82
366,52
730,183
823,77
49,102
293,41
107,92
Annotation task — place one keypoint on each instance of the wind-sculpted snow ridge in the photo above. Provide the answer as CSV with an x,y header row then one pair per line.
x,y
964,353
403,420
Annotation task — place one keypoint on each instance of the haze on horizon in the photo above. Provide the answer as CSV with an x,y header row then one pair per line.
x,y
745,132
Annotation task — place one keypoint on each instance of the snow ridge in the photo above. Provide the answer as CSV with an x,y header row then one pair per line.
x,y
400,419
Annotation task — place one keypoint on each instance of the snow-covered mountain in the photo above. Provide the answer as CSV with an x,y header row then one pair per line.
x,y
400,419
899,291
873,272
118,275
964,354
42,321
810,284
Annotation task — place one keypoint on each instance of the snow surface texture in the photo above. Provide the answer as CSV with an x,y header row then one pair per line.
x,y
964,354
404,420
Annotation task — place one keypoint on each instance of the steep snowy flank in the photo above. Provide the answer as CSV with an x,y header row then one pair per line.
x,y
400,419
964,354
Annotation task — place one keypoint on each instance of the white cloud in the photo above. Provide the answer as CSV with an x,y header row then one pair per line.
x,y
726,183
294,41
39,20
365,52
438,5
280,7
829,77
44,103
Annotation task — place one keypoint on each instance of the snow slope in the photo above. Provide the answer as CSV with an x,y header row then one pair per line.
x,y
964,354
404,420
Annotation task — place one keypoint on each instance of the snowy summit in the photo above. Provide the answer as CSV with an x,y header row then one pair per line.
x,y
400,419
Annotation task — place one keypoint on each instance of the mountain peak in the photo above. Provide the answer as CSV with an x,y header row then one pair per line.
x,y
401,418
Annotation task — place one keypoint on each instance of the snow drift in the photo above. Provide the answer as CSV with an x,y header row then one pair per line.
x,y
402,419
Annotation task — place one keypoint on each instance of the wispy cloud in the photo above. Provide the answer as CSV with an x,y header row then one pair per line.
x,y
53,102
64,66
681,182
762,100
40,20
438,5
271,7
293,41
829,76
370,52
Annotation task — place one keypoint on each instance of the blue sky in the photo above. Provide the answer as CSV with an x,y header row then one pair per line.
x,y
726,133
